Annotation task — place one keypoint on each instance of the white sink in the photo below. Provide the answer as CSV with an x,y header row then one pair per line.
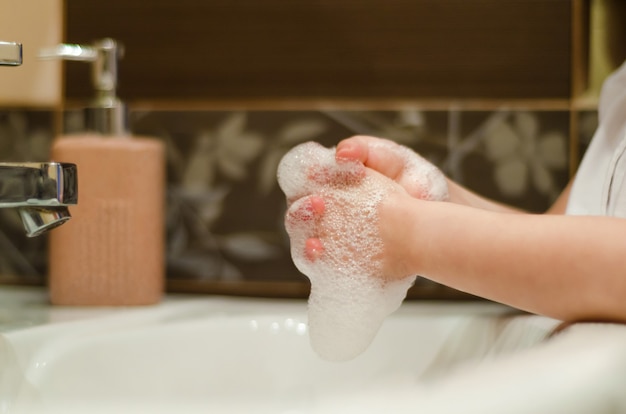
x,y
234,355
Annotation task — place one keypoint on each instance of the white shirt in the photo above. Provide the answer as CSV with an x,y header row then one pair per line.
x,y
600,184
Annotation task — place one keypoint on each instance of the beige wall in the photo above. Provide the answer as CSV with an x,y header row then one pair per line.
x,y
35,24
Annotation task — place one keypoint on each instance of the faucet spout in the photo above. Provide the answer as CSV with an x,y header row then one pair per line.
x,y
39,220
41,192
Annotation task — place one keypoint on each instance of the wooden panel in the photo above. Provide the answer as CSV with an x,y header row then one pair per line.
x,y
420,49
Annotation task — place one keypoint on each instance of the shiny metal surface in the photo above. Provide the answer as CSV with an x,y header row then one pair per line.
x,y
41,192
106,113
39,220
10,53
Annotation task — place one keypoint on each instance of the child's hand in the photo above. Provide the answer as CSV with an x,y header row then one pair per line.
x,y
334,223
335,204
420,178
333,218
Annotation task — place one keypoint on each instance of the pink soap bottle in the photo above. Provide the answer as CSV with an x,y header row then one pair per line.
x,y
112,253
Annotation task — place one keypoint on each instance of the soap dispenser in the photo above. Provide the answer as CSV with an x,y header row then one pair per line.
x,y
112,252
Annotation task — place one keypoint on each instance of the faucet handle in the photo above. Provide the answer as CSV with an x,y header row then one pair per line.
x,y
10,53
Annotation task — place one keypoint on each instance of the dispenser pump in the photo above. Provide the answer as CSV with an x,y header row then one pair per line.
x,y
106,114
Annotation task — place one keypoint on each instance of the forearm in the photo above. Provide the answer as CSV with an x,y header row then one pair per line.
x,y
565,267
461,195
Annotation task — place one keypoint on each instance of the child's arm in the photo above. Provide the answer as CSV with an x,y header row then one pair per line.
x,y
566,267
462,195
390,159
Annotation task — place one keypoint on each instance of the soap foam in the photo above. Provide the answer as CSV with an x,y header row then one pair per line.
x,y
424,179
350,296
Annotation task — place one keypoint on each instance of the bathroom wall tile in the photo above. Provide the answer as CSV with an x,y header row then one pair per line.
x,y
587,125
25,135
225,210
518,157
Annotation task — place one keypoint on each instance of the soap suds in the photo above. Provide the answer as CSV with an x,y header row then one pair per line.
x,y
350,296
425,180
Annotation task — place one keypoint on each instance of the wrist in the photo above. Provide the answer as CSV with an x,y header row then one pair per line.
x,y
404,230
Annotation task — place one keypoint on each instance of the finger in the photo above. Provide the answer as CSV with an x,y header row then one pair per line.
x,y
379,154
304,210
313,249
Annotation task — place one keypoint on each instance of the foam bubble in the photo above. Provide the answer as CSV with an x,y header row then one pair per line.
x,y
296,167
350,296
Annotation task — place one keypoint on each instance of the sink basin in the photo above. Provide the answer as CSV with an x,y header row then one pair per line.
x,y
234,355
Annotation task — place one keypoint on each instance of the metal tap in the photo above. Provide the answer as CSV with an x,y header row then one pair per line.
x,y
41,191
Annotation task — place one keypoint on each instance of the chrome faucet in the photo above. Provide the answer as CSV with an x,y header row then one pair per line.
x,y
41,191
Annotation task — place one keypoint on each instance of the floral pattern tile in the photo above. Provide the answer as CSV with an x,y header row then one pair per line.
x,y
224,208
24,136
523,157
587,125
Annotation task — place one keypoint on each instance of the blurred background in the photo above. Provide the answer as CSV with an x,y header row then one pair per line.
x,y
500,94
